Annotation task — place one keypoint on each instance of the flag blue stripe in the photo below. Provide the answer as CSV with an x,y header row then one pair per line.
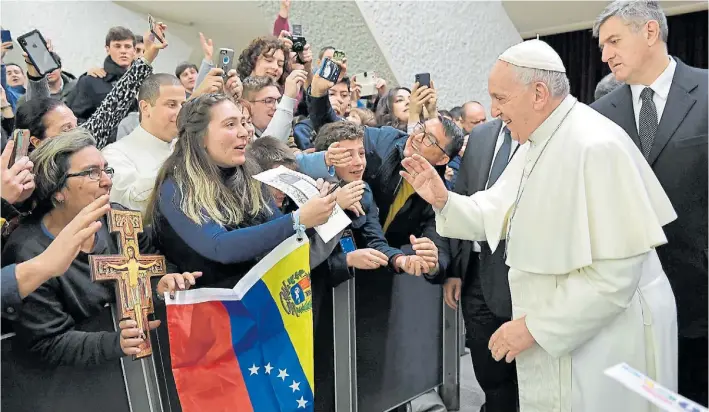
x,y
259,338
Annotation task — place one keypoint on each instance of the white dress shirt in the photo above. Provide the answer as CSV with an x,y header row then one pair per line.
x,y
136,160
498,145
660,87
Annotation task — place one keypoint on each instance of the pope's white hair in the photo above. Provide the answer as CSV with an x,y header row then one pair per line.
x,y
557,82
634,13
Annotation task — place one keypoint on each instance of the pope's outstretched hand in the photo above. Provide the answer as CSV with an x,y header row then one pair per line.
x,y
425,180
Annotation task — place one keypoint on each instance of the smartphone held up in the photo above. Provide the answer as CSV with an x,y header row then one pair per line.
x,y
35,46
22,145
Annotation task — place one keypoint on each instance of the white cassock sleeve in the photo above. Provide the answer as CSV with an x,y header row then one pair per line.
x,y
585,303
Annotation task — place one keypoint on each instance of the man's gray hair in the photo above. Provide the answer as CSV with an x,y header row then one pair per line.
x,y
557,82
51,162
635,13
606,85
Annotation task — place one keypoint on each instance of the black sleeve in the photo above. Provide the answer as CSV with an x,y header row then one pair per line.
x,y
444,252
48,331
82,100
321,113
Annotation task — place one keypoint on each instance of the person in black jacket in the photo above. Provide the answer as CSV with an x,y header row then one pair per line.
x,y
65,332
90,91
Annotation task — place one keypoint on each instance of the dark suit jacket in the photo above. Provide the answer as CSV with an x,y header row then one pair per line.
x,y
491,268
679,159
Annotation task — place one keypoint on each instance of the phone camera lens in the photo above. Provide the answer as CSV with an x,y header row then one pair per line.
x,y
225,60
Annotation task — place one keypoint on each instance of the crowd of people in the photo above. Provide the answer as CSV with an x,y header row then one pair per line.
x,y
432,193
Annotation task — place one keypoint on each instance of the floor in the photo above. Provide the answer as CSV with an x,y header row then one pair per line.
x,y
471,396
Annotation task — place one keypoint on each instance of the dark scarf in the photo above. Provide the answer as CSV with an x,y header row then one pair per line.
x,y
113,71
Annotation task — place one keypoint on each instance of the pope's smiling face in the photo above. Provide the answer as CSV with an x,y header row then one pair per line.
x,y
512,101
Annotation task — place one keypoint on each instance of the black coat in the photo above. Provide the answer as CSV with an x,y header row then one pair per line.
x,y
679,159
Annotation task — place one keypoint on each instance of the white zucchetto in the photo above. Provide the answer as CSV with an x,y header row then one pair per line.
x,y
533,54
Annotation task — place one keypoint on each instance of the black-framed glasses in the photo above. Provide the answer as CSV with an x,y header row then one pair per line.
x,y
269,101
94,173
427,138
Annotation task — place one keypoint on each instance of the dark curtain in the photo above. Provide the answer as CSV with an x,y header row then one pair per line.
x,y
580,53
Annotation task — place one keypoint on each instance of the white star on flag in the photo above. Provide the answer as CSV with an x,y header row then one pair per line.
x,y
283,374
295,386
254,370
268,368
301,403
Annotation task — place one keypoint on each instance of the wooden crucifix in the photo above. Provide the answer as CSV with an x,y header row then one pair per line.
x,y
131,272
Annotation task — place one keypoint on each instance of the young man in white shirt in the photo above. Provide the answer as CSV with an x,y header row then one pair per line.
x,y
137,157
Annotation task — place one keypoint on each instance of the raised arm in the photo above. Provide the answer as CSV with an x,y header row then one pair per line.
x,y
216,243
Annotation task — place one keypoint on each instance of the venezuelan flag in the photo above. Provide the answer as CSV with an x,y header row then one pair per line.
x,y
249,348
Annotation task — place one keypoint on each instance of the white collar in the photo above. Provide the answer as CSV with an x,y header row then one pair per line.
x,y
147,141
661,85
551,123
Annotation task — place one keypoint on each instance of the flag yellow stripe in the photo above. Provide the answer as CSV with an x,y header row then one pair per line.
x,y
299,326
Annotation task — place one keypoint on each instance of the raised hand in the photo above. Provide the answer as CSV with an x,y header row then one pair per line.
x,y
177,281
366,259
294,82
317,210
213,83
337,156
285,37
431,101
425,180
350,194
233,85
18,180
285,9
153,45
207,47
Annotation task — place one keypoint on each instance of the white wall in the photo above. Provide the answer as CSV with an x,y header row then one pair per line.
x,y
78,31
457,42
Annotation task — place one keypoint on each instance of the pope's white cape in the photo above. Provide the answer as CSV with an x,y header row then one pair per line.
x,y
583,269
201,295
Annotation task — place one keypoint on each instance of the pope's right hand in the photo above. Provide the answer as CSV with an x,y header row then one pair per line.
x,y
425,180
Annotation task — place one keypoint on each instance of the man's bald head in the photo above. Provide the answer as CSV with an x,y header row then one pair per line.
x,y
473,114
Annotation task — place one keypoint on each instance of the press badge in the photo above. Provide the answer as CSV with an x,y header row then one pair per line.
x,y
347,242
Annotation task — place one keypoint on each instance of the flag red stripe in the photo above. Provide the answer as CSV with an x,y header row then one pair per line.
x,y
206,370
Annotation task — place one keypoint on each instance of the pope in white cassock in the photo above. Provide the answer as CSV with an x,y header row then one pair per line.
x,y
582,213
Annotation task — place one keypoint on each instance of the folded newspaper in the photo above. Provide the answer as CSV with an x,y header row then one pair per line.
x,y
654,392
301,188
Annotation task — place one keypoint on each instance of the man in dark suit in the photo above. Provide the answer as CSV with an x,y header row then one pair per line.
x,y
663,107
482,275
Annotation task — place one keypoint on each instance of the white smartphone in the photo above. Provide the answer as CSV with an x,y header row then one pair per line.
x,y
367,82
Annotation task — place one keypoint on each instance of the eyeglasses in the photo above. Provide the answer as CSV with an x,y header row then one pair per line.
x,y
93,173
269,101
427,139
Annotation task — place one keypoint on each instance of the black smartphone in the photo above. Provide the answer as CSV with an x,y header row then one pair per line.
x,y
153,29
22,145
6,37
36,48
226,60
423,79
329,70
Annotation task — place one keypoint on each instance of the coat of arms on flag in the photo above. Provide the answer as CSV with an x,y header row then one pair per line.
x,y
249,348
